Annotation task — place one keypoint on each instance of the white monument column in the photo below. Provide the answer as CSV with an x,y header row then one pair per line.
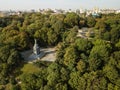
x,y
36,49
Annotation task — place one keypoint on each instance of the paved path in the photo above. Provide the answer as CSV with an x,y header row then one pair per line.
x,y
46,54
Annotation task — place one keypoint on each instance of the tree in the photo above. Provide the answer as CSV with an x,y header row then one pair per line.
x,y
61,86
97,58
42,35
106,36
9,60
53,74
15,87
47,87
95,62
31,81
58,27
101,25
23,40
116,59
118,44
95,81
53,78
37,34
52,37
115,34
81,66
110,86
111,73
71,35
82,23
90,21
72,19
83,45
77,82
31,29
70,57
64,75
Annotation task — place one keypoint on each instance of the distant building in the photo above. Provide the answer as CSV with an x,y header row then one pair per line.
x,y
117,11
95,14
107,11
59,11
4,13
82,11
8,13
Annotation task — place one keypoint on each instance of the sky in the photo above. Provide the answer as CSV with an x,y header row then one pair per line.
x,y
58,4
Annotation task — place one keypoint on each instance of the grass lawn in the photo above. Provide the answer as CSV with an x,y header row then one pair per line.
x,y
30,68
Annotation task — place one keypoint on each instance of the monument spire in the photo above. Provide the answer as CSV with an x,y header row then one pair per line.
x,y
35,41
36,49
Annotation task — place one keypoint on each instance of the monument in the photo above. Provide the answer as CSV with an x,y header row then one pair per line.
x,y
36,49
33,54
37,53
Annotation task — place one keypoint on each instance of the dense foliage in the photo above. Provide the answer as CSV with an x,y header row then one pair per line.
x,y
82,64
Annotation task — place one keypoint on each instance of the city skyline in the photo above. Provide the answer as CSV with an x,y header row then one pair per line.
x,y
58,4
